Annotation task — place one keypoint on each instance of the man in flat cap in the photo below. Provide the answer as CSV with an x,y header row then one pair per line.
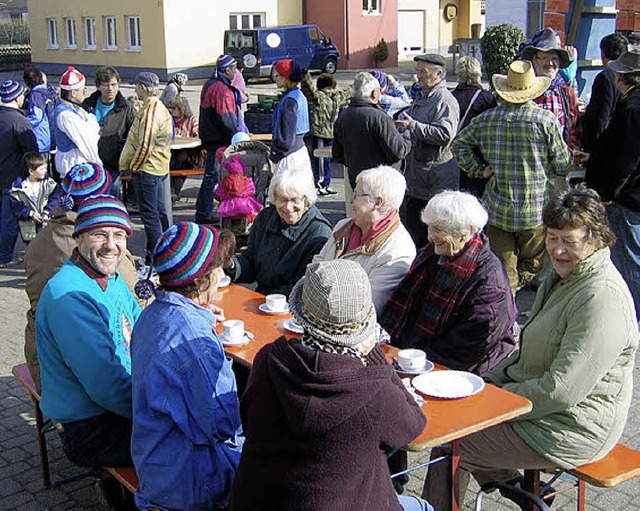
x,y
146,154
431,122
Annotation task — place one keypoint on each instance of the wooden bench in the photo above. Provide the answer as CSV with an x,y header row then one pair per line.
x,y
173,173
620,465
125,475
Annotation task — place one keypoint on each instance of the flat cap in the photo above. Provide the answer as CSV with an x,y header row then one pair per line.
x,y
432,58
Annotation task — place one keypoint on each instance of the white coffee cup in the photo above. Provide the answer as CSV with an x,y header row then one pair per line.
x,y
412,359
233,330
276,302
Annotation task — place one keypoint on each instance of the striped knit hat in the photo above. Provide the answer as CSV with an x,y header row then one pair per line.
x,y
184,252
224,61
83,180
381,77
101,211
10,90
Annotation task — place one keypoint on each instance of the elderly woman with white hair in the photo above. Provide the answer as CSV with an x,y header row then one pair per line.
x,y
284,238
374,237
455,302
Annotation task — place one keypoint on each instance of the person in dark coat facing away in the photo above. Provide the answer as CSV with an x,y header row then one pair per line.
x,y
318,411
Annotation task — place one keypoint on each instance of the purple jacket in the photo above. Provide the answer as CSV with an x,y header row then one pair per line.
x,y
480,332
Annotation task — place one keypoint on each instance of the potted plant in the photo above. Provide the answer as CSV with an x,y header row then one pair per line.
x,y
380,52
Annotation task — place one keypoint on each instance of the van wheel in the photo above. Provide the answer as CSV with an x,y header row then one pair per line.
x,y
330,66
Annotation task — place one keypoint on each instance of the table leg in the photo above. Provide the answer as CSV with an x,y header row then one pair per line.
x,y
532,485
455,475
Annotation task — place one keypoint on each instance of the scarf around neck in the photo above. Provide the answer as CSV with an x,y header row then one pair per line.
x,y
423,302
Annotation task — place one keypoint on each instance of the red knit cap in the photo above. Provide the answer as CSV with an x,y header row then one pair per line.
x,y
283,67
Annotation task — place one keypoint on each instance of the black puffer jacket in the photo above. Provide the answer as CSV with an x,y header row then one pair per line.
x,y
116,127
16,138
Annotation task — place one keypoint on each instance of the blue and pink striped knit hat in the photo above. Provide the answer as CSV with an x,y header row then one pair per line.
x,y
184,252
101,211
84,180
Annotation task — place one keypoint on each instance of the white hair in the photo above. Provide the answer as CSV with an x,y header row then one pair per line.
x,y
293,183
384,182
457,213
364,84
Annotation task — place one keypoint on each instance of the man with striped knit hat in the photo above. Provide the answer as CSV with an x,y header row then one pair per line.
x,y
84,322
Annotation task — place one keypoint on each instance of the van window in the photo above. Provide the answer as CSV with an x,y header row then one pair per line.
x,y
314,33
239,40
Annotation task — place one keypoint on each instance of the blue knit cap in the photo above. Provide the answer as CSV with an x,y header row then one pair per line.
x,y
101,211
84,180
10,90
381,77
224,61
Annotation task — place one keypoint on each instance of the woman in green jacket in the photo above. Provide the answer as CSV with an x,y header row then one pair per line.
x,y
575,361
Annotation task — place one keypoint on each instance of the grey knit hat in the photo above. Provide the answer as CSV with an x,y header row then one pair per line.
x,y
333,303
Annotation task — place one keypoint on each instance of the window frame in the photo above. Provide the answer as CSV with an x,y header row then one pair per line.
x,y
89,27
71,41
251,17
108,45
131,35
52,34
371,7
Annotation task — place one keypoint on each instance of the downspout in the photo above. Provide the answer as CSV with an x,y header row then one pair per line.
x,y
346,30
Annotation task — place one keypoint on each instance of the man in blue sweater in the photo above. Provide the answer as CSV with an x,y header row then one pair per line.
x,y
83,331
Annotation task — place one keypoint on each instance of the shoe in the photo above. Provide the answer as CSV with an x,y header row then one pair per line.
x,y
322,191
330,191
206,220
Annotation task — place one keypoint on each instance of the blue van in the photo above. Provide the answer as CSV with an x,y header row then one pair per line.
x,y
260,48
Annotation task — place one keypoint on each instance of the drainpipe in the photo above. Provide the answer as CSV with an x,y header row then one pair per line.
x,y
346,30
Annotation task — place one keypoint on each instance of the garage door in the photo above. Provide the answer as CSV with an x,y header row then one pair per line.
x,y
410,33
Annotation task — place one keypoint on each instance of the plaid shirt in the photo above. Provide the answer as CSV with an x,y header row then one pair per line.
x,y
552,100
524,145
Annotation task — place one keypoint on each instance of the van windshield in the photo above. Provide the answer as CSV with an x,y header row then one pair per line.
x,y
239,40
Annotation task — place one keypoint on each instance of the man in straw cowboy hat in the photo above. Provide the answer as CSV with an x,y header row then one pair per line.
x,y
519,146
613,170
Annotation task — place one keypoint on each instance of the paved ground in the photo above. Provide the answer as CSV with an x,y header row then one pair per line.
x,y
20,484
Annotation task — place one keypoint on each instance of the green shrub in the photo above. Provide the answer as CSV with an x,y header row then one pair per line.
x,y
381,51
14,32
499,47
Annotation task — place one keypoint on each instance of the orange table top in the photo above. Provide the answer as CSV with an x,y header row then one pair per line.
x,y
447,419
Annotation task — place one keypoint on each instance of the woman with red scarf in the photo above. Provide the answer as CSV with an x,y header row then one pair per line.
x,y
455,303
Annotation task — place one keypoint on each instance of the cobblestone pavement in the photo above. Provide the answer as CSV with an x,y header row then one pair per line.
x,y
21,486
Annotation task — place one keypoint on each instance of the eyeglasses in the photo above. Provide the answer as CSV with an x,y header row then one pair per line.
x,y
103,236
356,195
571,243
296,201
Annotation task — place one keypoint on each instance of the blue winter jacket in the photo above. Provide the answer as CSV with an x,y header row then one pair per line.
x,y
39,104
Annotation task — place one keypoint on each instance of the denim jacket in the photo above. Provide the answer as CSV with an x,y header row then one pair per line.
x,y
187,436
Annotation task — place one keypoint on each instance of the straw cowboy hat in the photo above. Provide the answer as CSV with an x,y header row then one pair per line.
x,y
545,42
628,62
521,84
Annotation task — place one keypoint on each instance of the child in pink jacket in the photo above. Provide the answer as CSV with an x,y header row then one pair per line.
x,y
236,192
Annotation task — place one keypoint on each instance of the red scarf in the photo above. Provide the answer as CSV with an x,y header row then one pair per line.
x,y
356,237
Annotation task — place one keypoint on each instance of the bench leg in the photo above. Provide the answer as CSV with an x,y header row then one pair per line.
x,y
455,475
582,495
42,445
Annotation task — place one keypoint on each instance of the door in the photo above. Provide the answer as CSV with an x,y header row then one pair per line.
x,y
299,45
410,34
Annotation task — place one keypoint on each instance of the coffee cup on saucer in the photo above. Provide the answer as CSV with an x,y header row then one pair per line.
x,y
233,330
276,302
412,359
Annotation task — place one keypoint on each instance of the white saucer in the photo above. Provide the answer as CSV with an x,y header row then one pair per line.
x,y
292,326
224,281
263,308
427,367
248,336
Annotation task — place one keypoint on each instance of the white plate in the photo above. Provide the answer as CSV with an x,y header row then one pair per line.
x,y
448,384
292,326
263,308
428,366
248,336
224,281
